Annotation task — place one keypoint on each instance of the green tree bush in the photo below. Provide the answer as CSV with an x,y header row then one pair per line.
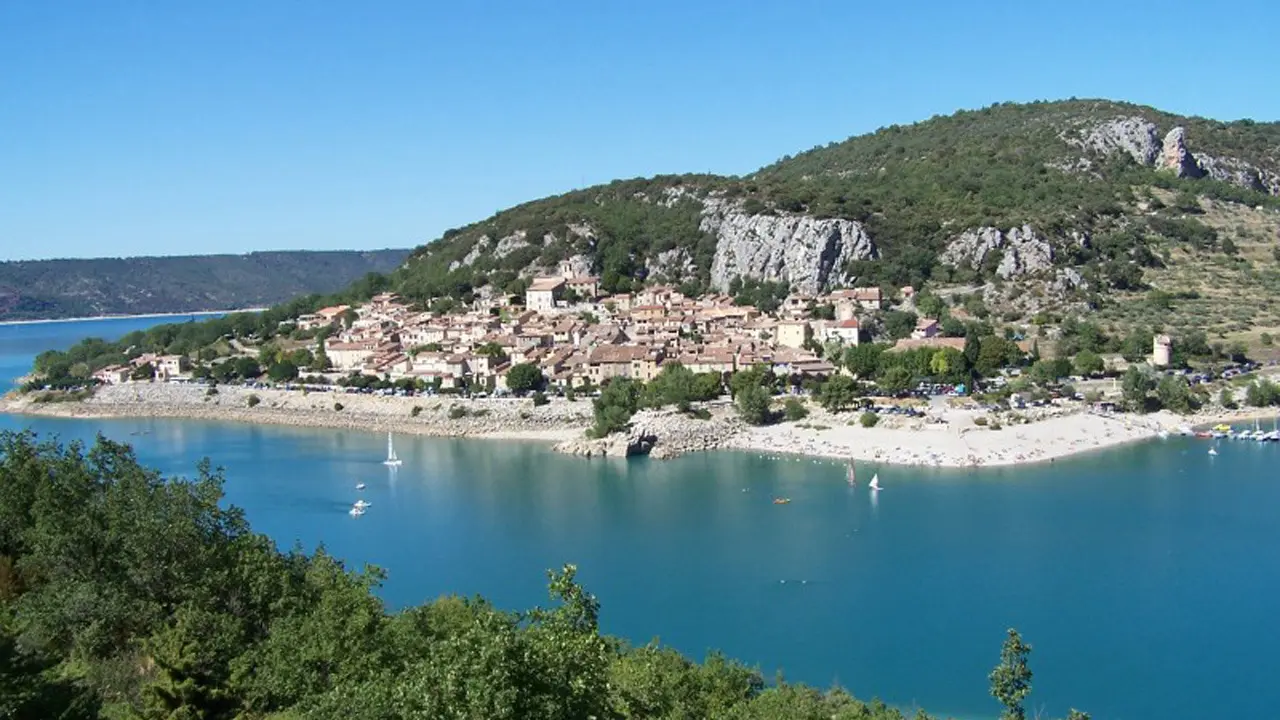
x,y
839,392
794,410
752,404
619,399
525,377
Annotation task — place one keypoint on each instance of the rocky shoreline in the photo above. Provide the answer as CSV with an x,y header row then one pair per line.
x,y
660,434
946,436
436,416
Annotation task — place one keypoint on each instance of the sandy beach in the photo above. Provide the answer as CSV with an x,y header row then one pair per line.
x,y
958,442
946,437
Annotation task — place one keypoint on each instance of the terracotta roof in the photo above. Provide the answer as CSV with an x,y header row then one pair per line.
x,y
616,353
544,284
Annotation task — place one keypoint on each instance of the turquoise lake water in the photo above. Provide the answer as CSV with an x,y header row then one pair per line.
x,y
1145,577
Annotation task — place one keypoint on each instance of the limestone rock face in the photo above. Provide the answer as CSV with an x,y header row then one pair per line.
x,y
510,244
1132,135
672,264
804,252
578,265
970,248
1238,172
1024,252
480,248
1176,158
1138,138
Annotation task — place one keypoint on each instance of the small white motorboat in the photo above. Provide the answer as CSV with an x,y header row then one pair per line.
x,y
355,511
359,486
360,504
1213,451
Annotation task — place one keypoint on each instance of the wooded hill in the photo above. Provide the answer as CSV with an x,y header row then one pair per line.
x,y
1111,191
51,289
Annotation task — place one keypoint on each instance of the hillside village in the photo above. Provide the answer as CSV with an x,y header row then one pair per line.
x,y
580,337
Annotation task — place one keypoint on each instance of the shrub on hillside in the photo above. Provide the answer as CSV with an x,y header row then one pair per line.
x,y
869,419
795,410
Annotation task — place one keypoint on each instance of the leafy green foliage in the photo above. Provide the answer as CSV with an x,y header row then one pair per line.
x,y
133,595
755,376
895,380
1088,363
525,377
839,392
899,324
766,296
868,419
632,220
619,399
794,410
675,385
1011,679
1137,386
752,404
864,360
1262,393
1175,394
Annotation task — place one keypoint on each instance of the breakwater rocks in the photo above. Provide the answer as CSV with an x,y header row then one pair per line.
x,y
660,434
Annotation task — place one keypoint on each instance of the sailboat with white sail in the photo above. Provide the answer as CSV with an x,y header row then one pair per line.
x,y
392,460
875,483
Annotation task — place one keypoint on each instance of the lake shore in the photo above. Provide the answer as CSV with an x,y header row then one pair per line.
x,y
947,436
494,419
93,318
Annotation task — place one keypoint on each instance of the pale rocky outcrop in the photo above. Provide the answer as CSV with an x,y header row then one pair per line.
x,y
1139,139
1024,252
1176,158
673,264
479,249
578,265
660,434
1238,172
1132,135
805,252
510,244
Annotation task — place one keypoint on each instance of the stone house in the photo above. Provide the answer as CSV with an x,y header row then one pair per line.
x,y
543,293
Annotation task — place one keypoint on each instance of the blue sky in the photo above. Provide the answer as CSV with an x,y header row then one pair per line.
x,y
131,128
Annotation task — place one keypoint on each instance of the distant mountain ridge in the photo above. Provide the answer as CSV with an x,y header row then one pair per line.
x,y
53,289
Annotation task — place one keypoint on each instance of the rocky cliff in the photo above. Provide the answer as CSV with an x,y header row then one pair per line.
x,y
806,253
1139,139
